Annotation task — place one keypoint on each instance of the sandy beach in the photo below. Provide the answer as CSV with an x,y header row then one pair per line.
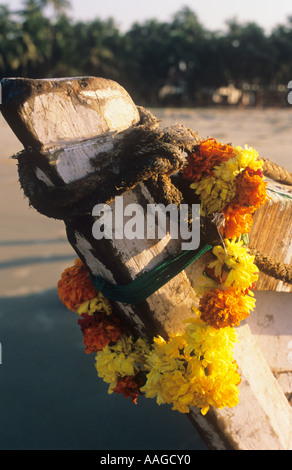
x,y
269,131
51,397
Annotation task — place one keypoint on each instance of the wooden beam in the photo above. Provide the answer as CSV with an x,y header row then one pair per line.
x,y
271,233
74,109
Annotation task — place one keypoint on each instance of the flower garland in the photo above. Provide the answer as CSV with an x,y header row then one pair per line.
x,y
231,186
229,180
193,369
196,368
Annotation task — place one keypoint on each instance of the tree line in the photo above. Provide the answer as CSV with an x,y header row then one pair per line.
x,y
178,62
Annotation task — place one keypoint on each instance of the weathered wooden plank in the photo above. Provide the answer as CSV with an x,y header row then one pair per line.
x,y
74,109
262,403
271,233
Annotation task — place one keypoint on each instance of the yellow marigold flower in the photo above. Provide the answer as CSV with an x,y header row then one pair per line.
x,y
201,338
158,361
125,358
171,383
244,157
172,348
222,389
97,304
201,372
106,368
215,193
140,350
234,267
160,383
216,390
248,157
195,368
192,394
161,365
227,171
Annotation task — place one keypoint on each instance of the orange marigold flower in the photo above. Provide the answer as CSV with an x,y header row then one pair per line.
x,y
99,330
75,286
250,195
238,220
250,188
222,308
129,386
206,156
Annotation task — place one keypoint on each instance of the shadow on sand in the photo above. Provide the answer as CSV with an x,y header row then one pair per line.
x,y
51,397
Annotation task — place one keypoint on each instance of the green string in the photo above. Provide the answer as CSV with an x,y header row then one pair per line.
x,y
279,192
145,285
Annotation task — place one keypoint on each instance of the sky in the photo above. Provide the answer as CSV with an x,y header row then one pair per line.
x,y
211,13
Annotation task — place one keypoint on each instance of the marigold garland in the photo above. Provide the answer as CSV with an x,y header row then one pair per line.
x,y
234,189
232,183
196,368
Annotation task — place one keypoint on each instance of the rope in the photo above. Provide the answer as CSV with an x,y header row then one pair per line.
x,y
272,268
276,172
145,285
139,154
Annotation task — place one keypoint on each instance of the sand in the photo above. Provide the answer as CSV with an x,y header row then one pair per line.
x,y
50,395
269,131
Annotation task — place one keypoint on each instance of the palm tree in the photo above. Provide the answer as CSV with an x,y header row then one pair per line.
x,y
59,6
9,60
32,40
